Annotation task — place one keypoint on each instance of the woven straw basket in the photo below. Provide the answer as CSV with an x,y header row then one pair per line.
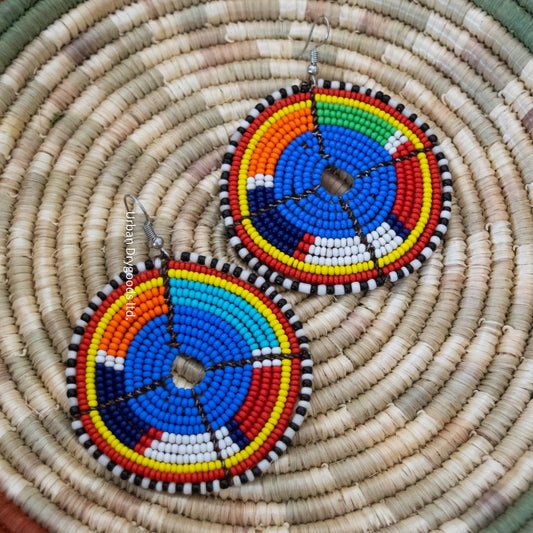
x,y
420,418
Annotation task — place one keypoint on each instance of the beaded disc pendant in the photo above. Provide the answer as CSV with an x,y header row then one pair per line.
x,y
188,375
334,189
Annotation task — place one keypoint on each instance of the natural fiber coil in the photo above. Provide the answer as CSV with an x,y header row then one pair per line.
x,y
421,416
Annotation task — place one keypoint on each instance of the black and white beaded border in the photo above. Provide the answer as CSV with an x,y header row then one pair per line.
x,y
299,411
278,278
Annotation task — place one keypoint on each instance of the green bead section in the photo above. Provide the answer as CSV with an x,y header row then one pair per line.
x,y
355,119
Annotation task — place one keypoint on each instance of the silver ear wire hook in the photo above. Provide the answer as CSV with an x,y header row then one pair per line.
x,y
154,239
312,69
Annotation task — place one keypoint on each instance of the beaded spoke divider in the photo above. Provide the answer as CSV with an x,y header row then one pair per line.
x,y
188,376
288,224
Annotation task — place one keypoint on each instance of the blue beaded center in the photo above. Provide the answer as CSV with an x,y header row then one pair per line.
x,y
313,209
213,326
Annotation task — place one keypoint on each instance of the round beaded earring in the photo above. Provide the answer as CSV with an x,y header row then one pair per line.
x,y
331,188
187,375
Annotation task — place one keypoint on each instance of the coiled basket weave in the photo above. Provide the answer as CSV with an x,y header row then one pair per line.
x,y
421,417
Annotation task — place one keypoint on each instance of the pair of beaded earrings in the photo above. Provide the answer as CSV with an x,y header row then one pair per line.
x,y
190,374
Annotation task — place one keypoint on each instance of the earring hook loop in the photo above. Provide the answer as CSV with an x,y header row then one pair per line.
x,y
312,69
154,239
